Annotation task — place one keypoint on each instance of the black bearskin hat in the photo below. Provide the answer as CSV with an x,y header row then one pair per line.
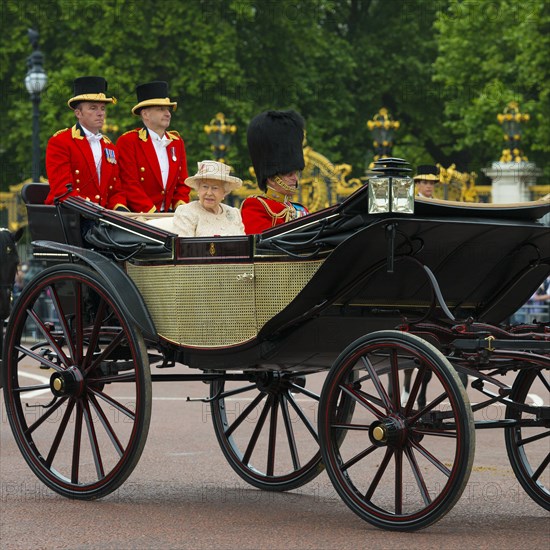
x,y
275,141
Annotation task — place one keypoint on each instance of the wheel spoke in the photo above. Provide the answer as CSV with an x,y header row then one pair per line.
x,y
94,337
116,404
104,354
60,432
257,430
45,416
395,402
398,483
545,381
76,444
358,457
415,389
379,473
236,391
429,407
533,438
272,437
544,464
358,396
93,440
377,383
303,417
24,389
289,431
429,456
107,425
61,318
250,407
418,476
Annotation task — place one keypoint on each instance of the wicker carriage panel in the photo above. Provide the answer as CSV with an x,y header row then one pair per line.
x,y
215,305
277,284
199,305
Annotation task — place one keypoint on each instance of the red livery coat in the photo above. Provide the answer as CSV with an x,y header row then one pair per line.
x,y
141,176
69,159
261,212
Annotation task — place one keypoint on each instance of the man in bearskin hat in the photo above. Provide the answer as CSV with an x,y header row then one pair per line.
x,y
153,163
81,156
426,178
275,141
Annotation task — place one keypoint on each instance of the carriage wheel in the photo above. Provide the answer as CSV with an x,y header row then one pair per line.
x,y
399,467
77,383
266,428
528,444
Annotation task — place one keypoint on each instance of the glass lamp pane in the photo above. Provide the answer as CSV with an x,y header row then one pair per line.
x,y
403,195
379,195
35,82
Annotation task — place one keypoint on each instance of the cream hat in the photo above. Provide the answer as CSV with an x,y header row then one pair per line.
x,y
210,170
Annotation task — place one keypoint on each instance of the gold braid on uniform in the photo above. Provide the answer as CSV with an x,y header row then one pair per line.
x,y
279,181
288,213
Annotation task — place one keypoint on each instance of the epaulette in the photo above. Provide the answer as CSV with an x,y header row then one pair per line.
x,y
107,140
173,134
130,131
59,131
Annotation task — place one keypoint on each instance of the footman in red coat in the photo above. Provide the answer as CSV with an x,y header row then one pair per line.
x,y
80,156
153,164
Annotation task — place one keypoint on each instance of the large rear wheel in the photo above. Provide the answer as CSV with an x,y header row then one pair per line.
x,y
399,467
77,383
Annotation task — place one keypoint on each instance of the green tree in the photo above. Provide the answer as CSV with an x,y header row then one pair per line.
x,y
489,53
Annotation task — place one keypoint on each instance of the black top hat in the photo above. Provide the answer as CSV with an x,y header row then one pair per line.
x,y
275,143
89,88
153,94
427,172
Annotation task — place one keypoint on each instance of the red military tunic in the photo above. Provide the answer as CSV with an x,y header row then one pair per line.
x,y
262,212
141,175
69,159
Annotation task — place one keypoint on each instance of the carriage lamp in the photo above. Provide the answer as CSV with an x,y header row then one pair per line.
x,y
220,133
35,82
393,189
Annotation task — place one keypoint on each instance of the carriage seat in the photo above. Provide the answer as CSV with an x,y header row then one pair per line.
x,y
44,222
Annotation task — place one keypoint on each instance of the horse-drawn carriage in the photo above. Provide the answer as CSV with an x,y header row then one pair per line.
x,y
357,294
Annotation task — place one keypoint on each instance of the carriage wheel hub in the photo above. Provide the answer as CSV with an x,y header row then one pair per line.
x,y
68,382
389,431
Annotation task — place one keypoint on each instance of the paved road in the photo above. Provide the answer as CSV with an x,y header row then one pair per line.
x,y
183,494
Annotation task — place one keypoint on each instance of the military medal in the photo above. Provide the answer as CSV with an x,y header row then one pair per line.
x,y
110,156
174,154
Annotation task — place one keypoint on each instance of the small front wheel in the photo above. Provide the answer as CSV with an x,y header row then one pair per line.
x,y
398,467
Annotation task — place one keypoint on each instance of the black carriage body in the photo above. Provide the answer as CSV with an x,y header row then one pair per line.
x,y
296,295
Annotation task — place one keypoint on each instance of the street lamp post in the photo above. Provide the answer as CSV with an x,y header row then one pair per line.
x,y
35,82
511,120
382,128
219,133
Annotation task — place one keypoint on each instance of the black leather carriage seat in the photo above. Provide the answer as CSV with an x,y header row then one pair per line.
x,y
44,222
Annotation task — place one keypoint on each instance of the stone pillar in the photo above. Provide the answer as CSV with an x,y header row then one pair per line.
x,y
511,180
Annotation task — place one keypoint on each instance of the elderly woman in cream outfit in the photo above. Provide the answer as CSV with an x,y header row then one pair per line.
x,y
207,217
